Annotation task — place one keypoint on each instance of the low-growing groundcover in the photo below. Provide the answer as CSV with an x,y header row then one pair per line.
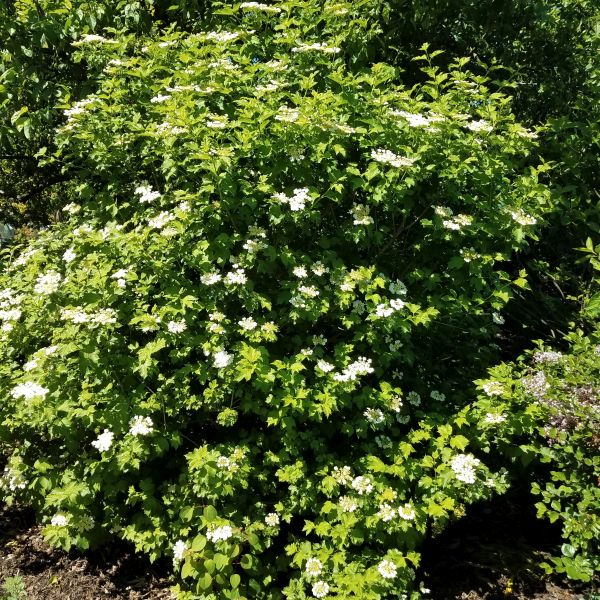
x,y
246,347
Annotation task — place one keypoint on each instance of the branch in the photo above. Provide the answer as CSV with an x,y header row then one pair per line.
x,y
16,157
40,189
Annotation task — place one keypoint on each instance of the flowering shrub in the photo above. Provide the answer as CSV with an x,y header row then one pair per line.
x,y
206,358
545,411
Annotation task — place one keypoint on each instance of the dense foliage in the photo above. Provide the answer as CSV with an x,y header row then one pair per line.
x,y
248,341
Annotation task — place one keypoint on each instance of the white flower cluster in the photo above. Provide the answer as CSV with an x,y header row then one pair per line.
x,y
165,128
362,485
69,255
325,366
71,208
386,512
318,47
313,567
407,512
494,418
161,220
547,357
522,218
103,316
247,323
159,98
438,396
361,214
29,390
493,388
210,278
418,120
78,108
342,475
479,126
92,38
48,282
297,201
218,534
385,310
348,504
272,519
179,550
260,6
464,466
12,480
120,276
387,157
176,326
287,114
217,122
458,222
374,416
222,36
146,193
141,425
397,287
104,441
387,569
222,359
9,311
24,257
59,520
237,276
361,366
320,589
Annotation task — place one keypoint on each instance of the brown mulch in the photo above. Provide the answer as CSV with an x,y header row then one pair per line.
x,y
51,574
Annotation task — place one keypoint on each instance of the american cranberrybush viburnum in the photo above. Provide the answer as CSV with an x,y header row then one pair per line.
x,y
267,262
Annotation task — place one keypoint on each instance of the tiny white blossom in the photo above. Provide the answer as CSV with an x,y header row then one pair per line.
x,y
272,519
179,550
29,390
494,418
222,359
389,158
348,504
177,326
464,466
325,366
320,589
300,272
313,567
210,278
47,283
141,425
360,214
69,255
104,441
247,323
407,512
146,193
59,520
493,388
387,569
362,485
217,534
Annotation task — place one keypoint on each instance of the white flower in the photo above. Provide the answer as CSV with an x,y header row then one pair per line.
x,y
383,310
522,218
146,193
493,388
362,366
236,277
69,255
439,396
494,418
217,123
289,115
260,6
313,567
348,504
72,208
389,158
359,306
362,485
179,550
161,220
29,390
360,213
140,425
497,318
272,519
297,201
210,278
320,589
222,359
375,416
217,534
407,512
224,462
386,512
104,441
222,36
343,476
464,466
414,398
247,323
317,46
59,520
300,272
160,98
480,125
319,268
547,357
48,282
387,569
325,366
177,326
